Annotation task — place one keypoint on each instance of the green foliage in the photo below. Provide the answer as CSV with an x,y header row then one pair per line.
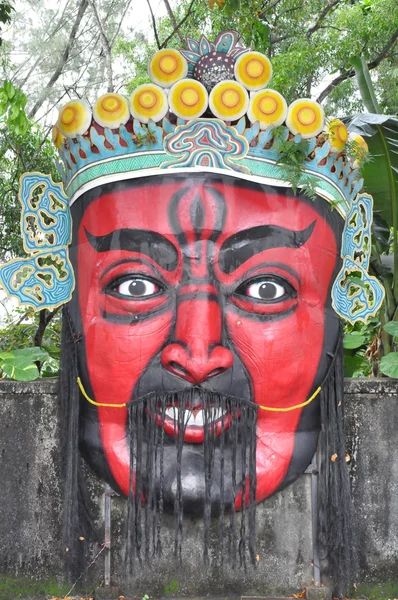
x,y
361,348
389,365
17,353
23,150
293,156
12,108
21,365
5,14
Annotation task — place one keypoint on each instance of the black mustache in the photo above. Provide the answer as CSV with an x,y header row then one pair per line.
x,y
193,397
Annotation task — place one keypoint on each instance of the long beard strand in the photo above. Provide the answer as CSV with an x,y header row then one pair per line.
x,y
233,536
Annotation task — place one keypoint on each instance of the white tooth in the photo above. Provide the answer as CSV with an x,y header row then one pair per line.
x,y
199,418
191,419
170,412
187,417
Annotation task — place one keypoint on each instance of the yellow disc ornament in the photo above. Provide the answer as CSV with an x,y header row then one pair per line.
x,y
305,117
338,135
167,67
111,110
188,99
74,118
229,100
268,107
57,137
358,149
253,70
148,101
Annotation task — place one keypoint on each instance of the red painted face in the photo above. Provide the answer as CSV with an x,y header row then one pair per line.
x,y
209,284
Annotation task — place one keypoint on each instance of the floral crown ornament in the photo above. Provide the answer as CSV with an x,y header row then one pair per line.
x,y
209,108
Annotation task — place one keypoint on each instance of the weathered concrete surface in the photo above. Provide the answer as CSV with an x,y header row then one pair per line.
x,y
372,442
30,491
31,503
283,547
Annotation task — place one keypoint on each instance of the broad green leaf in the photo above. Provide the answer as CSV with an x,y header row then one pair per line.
x,y
21,370
389,365
31,354
9,89
356,366
14,112
381,232
353,340
392,328
365,84
381,173
53,351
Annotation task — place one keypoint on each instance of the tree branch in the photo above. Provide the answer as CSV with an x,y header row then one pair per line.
x,y
177,27
350,73
63,60
107,47
173,21
155,31
321,17
120,22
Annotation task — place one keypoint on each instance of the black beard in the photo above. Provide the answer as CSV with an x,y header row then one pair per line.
x,y
198,479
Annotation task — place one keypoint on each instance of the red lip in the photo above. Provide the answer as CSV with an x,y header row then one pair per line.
x,y
195,434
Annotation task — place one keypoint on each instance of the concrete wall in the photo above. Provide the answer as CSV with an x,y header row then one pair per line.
x,y
31,502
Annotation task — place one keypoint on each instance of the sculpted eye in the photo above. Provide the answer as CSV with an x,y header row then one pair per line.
x,y
136,287
266,288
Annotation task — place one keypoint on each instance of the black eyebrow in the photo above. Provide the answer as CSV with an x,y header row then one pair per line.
x,y
150,243
241,246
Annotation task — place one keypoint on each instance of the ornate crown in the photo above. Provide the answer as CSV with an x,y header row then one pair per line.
x,y
209,108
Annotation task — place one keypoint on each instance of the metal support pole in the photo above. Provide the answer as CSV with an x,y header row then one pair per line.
x,y
314,504
108,493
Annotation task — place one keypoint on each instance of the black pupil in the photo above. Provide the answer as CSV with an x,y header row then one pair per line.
x,y
267,291
137,288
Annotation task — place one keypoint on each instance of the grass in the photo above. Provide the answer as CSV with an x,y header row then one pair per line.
x,y
14,588
379,591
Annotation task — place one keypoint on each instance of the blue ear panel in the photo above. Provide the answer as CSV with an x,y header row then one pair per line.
x,y
355,294
45,218
45,279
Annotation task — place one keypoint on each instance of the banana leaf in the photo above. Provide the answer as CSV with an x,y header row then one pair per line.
x,y
381,172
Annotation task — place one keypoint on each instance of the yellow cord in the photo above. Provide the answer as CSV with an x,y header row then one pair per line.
x,y
269,408
83,391
272,409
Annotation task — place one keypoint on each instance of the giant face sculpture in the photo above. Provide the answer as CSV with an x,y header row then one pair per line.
x,y
205,316
212,286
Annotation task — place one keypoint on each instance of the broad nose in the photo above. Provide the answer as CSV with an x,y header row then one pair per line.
x,y
196,353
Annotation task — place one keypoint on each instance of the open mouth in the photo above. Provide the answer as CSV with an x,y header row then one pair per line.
x,y
196,422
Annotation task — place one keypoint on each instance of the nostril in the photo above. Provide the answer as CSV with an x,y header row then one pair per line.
x,y
216,372
178,369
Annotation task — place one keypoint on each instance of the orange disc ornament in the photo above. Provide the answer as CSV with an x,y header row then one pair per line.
x,y
57,137
338,135
167,67
268,107
148,101
74,118
188,99
229,100
253,70
111,110
359,149
305,117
